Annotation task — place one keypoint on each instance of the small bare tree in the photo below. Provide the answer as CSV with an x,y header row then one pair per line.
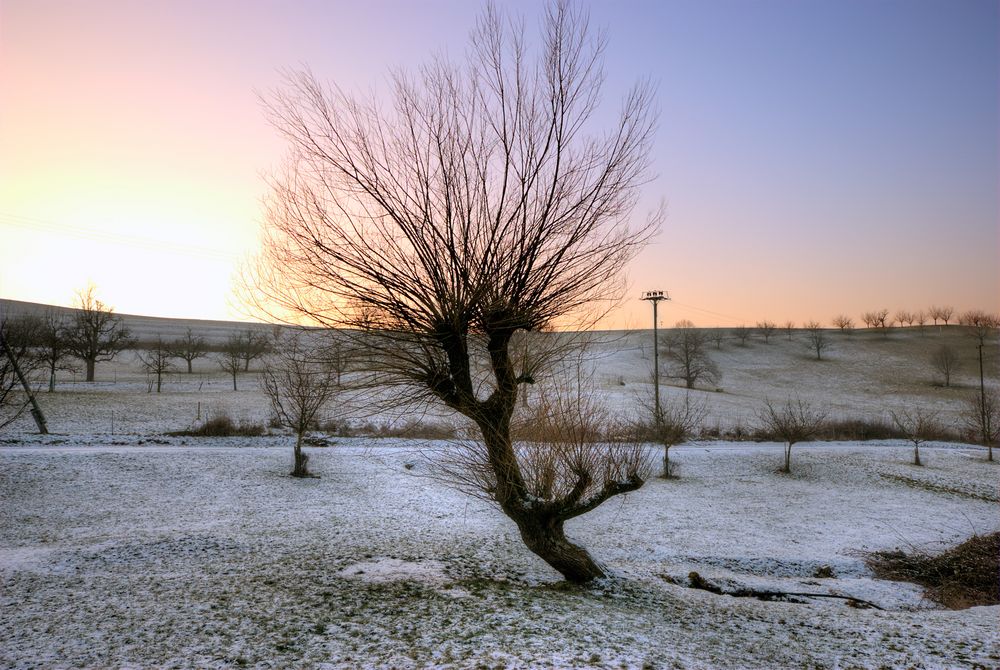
x,y
685,352
934,312
189,348
921,319
742,333
299,384
789,329
795,421
945,314
981,416
253,345
903,317
817,339
717,335
674,422
766,329
156,361
51,347
946,362
844,322
230,356
918,425
95,333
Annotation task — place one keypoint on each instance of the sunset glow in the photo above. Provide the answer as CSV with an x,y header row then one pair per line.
x,y
816,158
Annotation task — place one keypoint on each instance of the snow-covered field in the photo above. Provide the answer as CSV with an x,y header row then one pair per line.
x,y
173,552
121,546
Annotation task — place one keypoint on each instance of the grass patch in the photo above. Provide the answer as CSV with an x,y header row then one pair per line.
x,y
961,577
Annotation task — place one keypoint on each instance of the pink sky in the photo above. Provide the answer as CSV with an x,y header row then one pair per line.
x,y
816,158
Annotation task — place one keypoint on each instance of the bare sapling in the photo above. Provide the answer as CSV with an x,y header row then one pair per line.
x,y
918,425
156,361
299,382
675,422
794,421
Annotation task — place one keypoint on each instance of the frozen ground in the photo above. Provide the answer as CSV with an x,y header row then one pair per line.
x,y
144,551
122,547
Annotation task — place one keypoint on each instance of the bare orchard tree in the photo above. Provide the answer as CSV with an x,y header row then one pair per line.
x,y
766,329
918,425
189,348
299,384
51,347
903,317
934,312
795,421
946,362
789,329
844,322
742,333
981,416
230,356
15,354
156,362
685,351
472,207
717,335
945,314
674,422
817,339
920,317
253,345
95,333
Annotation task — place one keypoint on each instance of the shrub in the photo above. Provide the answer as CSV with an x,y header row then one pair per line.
x,y
222,425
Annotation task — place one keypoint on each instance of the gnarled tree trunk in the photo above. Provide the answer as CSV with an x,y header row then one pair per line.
x,y
545,537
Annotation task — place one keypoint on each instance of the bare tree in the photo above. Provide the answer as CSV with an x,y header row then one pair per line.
x,y
946,362
934,312
945,314
95,334
299,384
921,319
51,348
156,361
189,348
789,329
795,421
904,317
982,418
844,322
717,335
918,425
687,356
766,329
674,422
473,207
15,357
230,356
742,333
817,339
253,344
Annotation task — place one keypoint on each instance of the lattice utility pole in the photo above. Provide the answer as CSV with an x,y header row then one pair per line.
x,y
655,297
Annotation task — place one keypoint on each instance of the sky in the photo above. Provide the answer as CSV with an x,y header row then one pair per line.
x,y
816,157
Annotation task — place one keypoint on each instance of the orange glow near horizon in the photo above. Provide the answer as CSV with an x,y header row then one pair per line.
x,y
132,145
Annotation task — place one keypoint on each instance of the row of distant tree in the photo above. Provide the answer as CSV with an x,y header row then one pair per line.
x,y
93,334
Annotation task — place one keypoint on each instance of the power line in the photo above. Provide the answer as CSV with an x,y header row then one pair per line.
x,y
43,225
